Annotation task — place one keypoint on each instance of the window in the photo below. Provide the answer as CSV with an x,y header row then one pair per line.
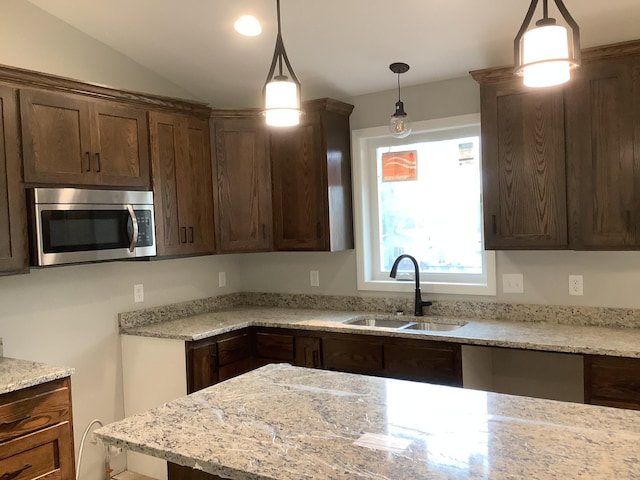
x,y
422,196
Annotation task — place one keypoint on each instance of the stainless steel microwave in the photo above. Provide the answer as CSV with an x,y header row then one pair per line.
x,y
71,225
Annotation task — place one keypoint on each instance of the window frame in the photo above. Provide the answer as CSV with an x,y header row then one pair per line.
x,y
365,219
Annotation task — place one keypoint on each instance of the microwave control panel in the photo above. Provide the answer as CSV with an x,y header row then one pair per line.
x,y
145,228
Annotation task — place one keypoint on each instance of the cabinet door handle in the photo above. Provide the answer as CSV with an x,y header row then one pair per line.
x,y
99,162
318,230
264,231
627,219
88,154
494,224
15,473
213,369
316,359
183,235
190,234
13,422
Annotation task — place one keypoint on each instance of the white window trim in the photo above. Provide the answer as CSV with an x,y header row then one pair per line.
x,y
362,219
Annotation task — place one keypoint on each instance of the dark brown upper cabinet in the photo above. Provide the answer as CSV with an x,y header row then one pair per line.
x,y
603,153
523,162
182,184
561,165
243,182
13,220
311,174
71,140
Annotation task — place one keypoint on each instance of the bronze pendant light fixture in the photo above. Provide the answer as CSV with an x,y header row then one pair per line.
x,y
281,91
400,125
545,55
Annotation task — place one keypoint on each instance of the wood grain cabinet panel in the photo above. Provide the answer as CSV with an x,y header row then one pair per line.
x,y
523,161
69,140
612,381
243,183
603,135
424,361
202,364
353,354
311,170
182,184
308,351
36,434
13,219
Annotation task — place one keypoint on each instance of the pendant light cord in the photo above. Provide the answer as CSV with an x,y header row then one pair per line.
x,y
398,87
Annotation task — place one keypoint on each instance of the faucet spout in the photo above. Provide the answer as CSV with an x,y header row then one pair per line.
x,y
418,302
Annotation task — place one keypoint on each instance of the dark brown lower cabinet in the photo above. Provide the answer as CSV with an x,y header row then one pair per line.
x,y
612,381
178,472
273,346
353,353
308,351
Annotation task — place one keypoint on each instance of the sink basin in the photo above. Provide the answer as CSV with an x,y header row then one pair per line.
x,y
433,326
379,322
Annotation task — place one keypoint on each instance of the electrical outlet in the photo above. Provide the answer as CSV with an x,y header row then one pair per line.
x,y
575,285
222,279
138,292
512,283
314,277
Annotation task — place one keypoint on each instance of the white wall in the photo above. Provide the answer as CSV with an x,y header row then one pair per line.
x,y
31,38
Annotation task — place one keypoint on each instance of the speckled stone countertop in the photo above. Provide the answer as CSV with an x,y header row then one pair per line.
x,y
623,342
17,374
291,423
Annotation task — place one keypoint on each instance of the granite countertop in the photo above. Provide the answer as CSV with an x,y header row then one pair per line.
x,y
623,342
291,423
17,374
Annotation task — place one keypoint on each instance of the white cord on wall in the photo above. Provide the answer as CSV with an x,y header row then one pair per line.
x,y
107,468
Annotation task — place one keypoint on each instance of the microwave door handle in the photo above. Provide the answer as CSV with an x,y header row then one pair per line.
x,y
134,235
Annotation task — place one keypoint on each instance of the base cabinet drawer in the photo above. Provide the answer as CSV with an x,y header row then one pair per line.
x,y
43,454
612,381
424,361
353,355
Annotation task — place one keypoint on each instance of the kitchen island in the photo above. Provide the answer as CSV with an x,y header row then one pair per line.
x,y
283,422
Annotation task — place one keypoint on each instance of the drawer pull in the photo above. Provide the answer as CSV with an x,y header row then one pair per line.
x,y
13,422
12,475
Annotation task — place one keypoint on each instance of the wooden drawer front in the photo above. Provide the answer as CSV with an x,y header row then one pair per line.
x,y
437,363
350,355
33,408
234,369
234,349
308,352
612,381
274,346
43,454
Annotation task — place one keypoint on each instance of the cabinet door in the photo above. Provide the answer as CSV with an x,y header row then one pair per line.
x,y
603,135
612,381
424,361
234,356
56,138
300,205
273,347
243,185
182,185
523,157
168,147
120,145
202,364
13,221
198,181
348,353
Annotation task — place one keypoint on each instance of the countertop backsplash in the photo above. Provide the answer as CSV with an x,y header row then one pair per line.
x,y
514,312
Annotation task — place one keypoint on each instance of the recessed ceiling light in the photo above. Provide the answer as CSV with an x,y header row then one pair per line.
x,y
248,25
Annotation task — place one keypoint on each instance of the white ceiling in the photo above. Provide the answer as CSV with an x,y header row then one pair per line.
x,y
338,48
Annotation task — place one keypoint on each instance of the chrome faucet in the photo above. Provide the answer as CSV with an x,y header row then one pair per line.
x,y
418,297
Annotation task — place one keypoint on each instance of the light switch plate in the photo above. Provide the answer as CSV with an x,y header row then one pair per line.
x,y
512,283
138,293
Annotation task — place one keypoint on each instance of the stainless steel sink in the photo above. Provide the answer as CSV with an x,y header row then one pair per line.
x,y
433,326
378,322
400,323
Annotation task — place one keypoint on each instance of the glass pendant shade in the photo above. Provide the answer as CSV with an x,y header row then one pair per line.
x,y
545,55
400,124
282,105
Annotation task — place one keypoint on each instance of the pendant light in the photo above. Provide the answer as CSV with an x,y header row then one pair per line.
x,y
281,92
544,55
400,125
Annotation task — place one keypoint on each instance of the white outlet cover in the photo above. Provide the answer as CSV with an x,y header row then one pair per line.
x,y
138,293
314,278
222,279
576,285
512,283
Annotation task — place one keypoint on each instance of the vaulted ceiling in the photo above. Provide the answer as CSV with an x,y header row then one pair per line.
x,y
338,48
